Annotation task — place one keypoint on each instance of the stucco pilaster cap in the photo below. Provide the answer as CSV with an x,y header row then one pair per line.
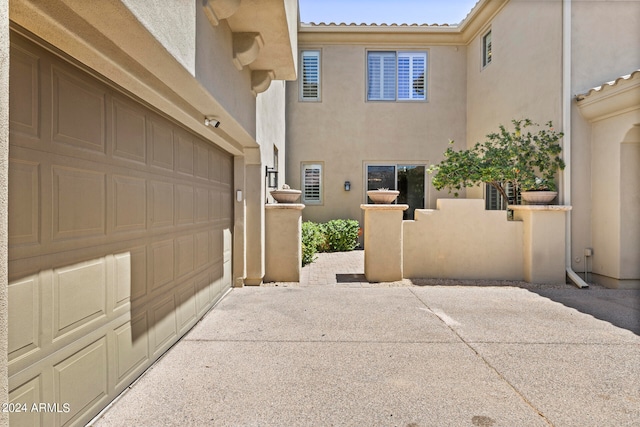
x,y
293,206
557,208
381,207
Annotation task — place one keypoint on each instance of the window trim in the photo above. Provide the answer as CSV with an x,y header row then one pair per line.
x,y
487,54
303,183
301,96
398,53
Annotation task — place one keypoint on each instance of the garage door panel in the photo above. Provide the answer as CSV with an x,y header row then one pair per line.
x,y
122,279
118,223
202,161
79,203
24,197
131,347
139,267
79,296
161,264
160,145
164,324
184,250
81,380
184,153
184,204
23,103
202,249
201,205
161,207
28,394
24,313
129,204
78,112
187,310
204,293
129,132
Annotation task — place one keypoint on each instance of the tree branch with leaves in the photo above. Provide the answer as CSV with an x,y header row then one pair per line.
x,y
527,157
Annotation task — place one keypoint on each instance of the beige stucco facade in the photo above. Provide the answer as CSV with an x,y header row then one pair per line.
x,y
543,54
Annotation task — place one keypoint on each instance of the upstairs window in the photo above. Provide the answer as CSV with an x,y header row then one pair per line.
x,y
486,49
310,76
396,76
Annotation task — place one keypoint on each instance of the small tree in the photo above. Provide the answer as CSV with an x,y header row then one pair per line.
x,y
527,160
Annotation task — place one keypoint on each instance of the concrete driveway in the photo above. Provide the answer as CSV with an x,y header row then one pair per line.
x,y
340,355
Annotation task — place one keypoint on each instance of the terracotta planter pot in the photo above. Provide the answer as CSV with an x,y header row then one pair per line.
x,y
538,197
385,197
286,195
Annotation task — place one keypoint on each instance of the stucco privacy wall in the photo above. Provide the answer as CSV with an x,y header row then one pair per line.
x,y
524,77
460,239
4,164
344,131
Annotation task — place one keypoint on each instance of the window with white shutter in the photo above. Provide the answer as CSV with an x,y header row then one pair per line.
x,y
382,76
312,183
486,49
310,76
396,76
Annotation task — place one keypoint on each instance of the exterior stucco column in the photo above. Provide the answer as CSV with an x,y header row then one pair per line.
x,y
544,242
383,242
4,194
254,225
283,242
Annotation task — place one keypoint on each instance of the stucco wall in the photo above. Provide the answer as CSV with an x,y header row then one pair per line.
x,y
524,78
345,132
216,72
271,126
462,240
615,209
604,46
174,30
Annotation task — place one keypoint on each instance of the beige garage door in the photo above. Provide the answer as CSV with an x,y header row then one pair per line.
x,y
119,235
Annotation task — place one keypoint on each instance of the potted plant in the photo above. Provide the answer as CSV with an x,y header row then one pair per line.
x,y
383,195
286,194
524,159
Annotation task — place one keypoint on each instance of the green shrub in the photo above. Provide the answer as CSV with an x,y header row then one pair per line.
x,y
341,235
337,235
312,238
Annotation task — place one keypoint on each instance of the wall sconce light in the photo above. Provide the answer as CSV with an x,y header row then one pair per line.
x,y
272,177
211,121
347,186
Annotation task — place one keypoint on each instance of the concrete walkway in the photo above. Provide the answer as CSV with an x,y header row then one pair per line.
x,y
334,351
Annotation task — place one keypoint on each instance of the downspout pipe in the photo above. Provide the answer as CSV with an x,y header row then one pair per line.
x,y
567,100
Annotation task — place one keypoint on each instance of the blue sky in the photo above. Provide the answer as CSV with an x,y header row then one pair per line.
x,y
385,11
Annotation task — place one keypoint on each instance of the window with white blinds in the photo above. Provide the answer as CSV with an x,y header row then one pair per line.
x,y
486,49
396,76
312,183
493,200
310,78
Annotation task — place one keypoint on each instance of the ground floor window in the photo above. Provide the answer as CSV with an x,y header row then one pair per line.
x,y
494,201
312,183
408,179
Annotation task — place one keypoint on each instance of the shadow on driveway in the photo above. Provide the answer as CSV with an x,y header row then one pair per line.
x,y
620,307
